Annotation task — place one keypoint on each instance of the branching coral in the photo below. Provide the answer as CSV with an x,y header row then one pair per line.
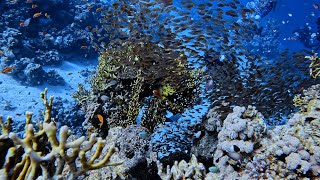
x,y
183,170
302,100
314,65
5,127
46,156
134,99
153,114
107,69
299,102
81,95
135,37
142,70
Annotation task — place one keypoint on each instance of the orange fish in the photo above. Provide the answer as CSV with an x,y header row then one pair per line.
x,y
98,9
22,24
7,70
89,8
157,93
37,15
84,47
1,52
101,120
90,131
34,6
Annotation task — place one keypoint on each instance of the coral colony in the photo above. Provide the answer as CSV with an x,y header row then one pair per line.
x,y
166,90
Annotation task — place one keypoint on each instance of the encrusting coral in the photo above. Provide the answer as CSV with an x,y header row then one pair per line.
x,y
45,156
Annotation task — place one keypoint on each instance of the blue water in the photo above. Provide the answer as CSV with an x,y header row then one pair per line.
x,y
57,45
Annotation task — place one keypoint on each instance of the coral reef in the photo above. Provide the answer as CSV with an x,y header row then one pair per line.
x,y
133,149
34,74
44,42
51,57
133,144
246,149
182,170
242,147
133,76
153,59
293,149
70,115
46,156
301,100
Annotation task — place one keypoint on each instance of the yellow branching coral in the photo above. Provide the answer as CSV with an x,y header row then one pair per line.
x,y
142,71
311,123
167,90
46,156
134,104
81,95
5,128
314,65
153,114
298,102
107,69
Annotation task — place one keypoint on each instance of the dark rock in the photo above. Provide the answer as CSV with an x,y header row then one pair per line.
x,y
34,74
53,78
134,149
203,147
